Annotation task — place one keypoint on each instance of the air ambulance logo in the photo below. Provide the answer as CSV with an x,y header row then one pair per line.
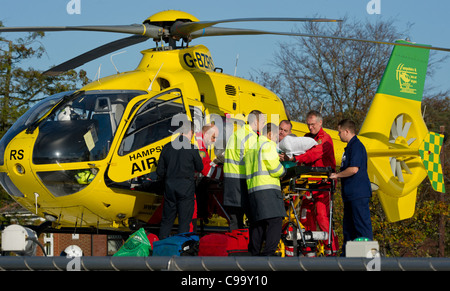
x,y
407,79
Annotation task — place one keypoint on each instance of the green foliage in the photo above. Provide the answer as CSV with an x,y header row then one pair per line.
x,y
416,236
20,88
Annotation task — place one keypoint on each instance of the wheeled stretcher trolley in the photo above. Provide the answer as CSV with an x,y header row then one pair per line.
x,y
301,181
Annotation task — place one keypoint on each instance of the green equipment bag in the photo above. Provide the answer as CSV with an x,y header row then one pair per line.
x,y
137,245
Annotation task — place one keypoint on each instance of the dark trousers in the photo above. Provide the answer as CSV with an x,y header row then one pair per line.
x,y
268,230
356,221
236,215
179,198
239,206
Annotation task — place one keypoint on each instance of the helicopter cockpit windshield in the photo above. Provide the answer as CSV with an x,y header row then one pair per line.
x,y
33,114
82,127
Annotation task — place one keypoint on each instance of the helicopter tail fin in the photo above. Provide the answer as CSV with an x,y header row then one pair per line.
x,y
396,136
429,151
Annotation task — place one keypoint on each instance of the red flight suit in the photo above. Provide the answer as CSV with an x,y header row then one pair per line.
x,y
210,169
203,204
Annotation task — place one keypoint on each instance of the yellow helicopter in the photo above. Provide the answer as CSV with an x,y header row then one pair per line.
x,y
75,157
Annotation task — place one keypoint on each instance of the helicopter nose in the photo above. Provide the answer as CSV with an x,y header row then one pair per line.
x,y
18,178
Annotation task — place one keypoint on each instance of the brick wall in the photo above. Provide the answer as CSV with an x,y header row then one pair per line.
x,y
92,245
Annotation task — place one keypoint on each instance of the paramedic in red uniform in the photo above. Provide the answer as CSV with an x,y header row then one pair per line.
x,y
207,137
315,209
212,171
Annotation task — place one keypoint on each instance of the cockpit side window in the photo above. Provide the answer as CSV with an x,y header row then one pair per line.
x,y
83,128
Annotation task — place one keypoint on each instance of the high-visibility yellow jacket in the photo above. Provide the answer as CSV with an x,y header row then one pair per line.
x,y
234,170
264,170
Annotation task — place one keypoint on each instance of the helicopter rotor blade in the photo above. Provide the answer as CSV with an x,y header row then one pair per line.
x,y
218,31
95,53
151,31
185,28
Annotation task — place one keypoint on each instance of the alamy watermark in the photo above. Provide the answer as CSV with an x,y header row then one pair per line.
x,y
226,127
74,264
74,7
374,7
375,263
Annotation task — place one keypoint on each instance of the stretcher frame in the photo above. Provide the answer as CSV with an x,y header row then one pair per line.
x,y
299,181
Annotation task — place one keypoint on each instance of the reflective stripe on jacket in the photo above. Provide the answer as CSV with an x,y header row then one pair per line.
x,y
263,166
238,144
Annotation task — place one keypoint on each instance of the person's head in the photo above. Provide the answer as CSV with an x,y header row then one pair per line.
x,y
346,130
210,134
270,130
187,128
314,121
256,119
284,129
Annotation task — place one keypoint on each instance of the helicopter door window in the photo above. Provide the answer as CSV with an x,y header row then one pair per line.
x,y
67,182
152,122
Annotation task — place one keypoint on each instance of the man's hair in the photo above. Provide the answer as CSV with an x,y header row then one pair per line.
x,y
254,115
270,127
315,113
286,121
348,124
207,127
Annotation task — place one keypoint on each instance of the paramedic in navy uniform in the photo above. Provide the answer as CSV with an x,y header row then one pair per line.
x,y
355,185
178,162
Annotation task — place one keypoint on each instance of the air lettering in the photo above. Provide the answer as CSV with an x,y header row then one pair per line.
x,y
144,165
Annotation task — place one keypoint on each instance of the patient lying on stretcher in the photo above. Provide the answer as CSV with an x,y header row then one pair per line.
x,y
293,145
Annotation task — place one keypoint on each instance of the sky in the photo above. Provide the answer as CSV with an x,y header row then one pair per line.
x,y
429,19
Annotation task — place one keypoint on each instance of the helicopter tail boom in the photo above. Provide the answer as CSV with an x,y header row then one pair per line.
x,y
397,140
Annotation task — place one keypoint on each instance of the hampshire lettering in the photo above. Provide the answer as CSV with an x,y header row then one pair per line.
x,y
145,153
140,163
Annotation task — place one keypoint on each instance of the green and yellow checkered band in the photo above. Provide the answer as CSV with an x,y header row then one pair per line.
x,y
429,151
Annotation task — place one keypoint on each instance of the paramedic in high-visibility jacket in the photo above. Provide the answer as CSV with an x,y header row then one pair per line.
x,y
267,210
235,197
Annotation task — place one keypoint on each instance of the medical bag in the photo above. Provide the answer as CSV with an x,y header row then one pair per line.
x,y
183,244
232,243
137,245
